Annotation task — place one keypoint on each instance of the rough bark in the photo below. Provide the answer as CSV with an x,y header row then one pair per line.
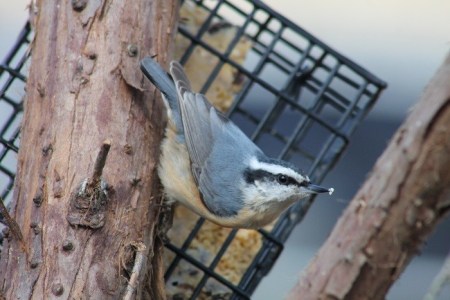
x,y
85,86
406,195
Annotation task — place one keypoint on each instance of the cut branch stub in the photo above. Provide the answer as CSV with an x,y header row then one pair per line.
x,y
88,203
100,163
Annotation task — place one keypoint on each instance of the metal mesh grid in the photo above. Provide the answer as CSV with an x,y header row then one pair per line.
x,y
298,99
12,90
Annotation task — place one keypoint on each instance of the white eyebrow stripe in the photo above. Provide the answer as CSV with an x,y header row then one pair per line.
x,y
276,169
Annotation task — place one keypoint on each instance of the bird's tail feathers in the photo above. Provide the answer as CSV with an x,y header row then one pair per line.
x,y
156,74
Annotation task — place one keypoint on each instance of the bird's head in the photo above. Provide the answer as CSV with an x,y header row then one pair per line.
x,y
276,184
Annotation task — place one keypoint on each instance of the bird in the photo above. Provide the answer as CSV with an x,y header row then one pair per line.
x,y
210,166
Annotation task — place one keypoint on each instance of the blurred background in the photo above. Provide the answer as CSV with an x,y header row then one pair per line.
x,y
402,42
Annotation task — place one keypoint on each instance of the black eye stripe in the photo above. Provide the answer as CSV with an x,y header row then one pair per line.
x,y
303,183
291,181
250,176
286,180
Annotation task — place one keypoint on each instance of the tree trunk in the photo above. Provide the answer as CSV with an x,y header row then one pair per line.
x,y
88,236
390,217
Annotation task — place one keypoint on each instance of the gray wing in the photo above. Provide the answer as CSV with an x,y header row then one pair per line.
x,y
177,72
216,147
195,118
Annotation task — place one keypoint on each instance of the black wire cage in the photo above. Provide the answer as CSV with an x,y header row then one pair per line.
x,y
296,97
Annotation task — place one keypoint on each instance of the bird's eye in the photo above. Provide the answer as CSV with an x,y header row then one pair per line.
x,y
282,179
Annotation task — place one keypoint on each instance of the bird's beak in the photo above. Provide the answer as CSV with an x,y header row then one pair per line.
x,y
317,189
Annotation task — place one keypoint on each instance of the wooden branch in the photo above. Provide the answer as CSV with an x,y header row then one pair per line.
x,y
84,85
406,195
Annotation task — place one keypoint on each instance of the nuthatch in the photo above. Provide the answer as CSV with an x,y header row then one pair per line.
x,y
209,165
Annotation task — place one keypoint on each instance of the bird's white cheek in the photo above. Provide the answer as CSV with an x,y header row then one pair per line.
x,y
253,195
260,190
